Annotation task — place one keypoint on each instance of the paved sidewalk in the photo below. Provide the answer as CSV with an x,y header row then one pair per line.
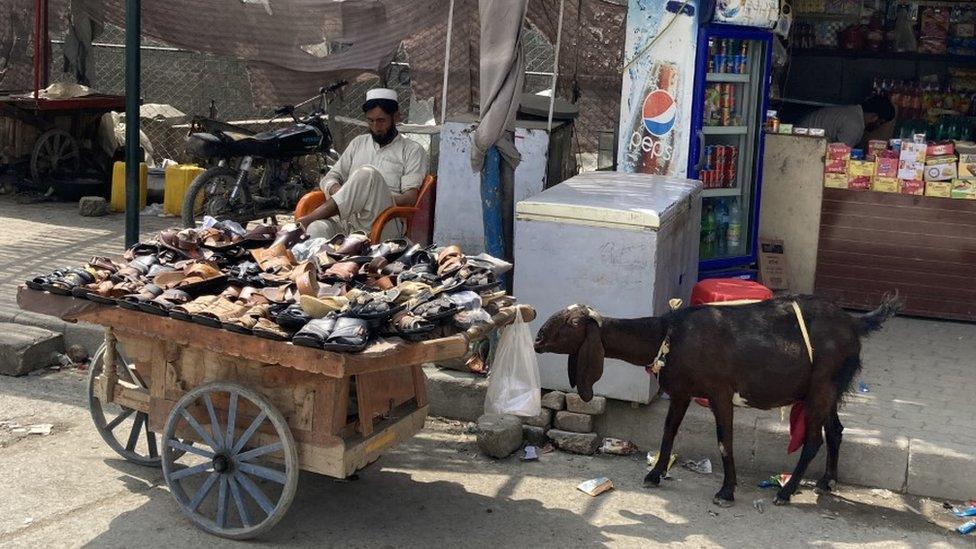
x,y
912,430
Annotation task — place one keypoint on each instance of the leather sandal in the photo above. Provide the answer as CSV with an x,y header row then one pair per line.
x,y
391,249
244,324
293,318
316,332
269,330
350,335
354,244
198,305
64,284
410,326
436,309
219,312
318,307
449,261
38,282
161,304
147,293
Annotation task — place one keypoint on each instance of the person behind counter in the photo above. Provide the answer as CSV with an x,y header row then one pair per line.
x,y
848,123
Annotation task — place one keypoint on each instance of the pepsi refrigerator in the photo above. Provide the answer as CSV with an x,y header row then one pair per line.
x,y
693,105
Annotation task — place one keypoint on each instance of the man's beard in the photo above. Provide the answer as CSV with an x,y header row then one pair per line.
x,y
384,139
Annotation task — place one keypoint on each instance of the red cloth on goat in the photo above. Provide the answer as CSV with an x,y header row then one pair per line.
x,y
716,290
798,426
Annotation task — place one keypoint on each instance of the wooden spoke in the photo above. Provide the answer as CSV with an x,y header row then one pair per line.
x,y
263,472
257,452
134,433
204,490
126,412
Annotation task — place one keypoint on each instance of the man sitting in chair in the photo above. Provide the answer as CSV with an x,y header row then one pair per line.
x,y
375,171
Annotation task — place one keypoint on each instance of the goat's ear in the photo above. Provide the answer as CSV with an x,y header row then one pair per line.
x,y
572,362
589,361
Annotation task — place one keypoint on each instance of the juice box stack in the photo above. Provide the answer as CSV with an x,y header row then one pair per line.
x,y
944,170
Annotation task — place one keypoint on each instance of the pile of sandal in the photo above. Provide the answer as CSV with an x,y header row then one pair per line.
x,y
337,294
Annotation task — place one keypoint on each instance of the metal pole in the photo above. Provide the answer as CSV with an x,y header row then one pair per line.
x,y
37,46
447,60
132,94
555,65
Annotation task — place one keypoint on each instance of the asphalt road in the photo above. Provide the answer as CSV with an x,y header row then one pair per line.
x,y
68,489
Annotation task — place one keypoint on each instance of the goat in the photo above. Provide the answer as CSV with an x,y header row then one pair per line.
x,y
754,353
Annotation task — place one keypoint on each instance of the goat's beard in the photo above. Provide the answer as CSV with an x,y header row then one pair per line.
x,y
385,138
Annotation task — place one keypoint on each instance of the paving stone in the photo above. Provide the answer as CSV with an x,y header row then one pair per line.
x,y
571,421
24,349
594,407
544,419
499,434
92,206
577,443
536,436
554,400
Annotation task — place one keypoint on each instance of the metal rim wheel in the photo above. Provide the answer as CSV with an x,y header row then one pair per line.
x,y
235,466
138,444
55,154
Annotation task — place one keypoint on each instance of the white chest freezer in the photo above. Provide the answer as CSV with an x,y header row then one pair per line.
x,y
621,243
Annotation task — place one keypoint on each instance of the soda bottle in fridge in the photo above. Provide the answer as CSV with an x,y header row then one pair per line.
x,y
733,234
721,227
708,232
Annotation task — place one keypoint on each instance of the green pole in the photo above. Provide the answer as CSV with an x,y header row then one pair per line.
x,y
132,93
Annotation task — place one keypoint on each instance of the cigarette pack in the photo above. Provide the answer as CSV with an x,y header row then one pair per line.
x,y
856,168
835,180
912,186
886,185
859,182
938,189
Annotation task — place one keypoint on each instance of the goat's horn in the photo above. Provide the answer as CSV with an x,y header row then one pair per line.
x,y
597,317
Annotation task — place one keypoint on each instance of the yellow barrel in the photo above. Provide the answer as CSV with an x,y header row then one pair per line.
x,y
117,202
178,179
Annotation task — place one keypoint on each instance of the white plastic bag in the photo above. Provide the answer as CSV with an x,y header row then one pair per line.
x,y
513,384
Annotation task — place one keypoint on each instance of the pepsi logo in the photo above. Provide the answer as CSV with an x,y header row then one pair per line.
x,y
659,112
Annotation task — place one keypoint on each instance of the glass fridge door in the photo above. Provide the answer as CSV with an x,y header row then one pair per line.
x,y
728,161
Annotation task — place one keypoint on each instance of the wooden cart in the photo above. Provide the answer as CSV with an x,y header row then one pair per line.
x,y
239,415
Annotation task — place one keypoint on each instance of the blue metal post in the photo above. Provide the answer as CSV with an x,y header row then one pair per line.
x,y
491,204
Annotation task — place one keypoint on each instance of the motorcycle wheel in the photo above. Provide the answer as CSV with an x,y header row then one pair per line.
x,y
209,194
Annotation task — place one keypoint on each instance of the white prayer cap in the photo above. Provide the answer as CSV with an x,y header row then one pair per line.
x,y
381,93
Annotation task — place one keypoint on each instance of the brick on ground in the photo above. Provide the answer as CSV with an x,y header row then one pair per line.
x,y
571,421
595,407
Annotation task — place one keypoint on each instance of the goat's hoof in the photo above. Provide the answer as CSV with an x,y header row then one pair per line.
x,y
825,486
652,480
721,502
781,501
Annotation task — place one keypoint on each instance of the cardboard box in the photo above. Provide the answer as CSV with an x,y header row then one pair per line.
x,y
876,146
774,270
911,160
967,166
940,168
857,168
835,180
837,156
944,148
859,182
964,189
913,186
965,147
886,185
938,189
886,166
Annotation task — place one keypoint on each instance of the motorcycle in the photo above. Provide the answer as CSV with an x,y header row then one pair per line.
x,y
255,176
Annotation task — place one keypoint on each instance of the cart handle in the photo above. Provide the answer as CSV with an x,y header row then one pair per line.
x,y
504,317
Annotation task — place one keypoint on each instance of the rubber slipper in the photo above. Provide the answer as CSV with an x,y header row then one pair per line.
x,y
316,332
349,335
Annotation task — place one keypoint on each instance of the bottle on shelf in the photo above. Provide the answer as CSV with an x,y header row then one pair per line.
x,y
733,235
721,228
708,233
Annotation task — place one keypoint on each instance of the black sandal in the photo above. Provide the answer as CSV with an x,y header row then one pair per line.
x,y
350,335
316,332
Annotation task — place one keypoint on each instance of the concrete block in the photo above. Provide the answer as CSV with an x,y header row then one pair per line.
x,y
499,435
455,395
577,443
554,400
594,407
92,206
943,470
578,423
544,419
536,436
26,348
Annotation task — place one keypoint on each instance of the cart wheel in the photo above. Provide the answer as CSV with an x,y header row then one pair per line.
x,y
55,154
137,443
236,467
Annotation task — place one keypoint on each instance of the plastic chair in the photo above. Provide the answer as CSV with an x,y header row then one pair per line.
x,y
419,217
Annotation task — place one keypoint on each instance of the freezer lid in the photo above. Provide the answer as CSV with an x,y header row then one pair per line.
x,y
613,199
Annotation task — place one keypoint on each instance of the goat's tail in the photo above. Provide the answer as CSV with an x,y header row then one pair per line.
x,y
870,322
